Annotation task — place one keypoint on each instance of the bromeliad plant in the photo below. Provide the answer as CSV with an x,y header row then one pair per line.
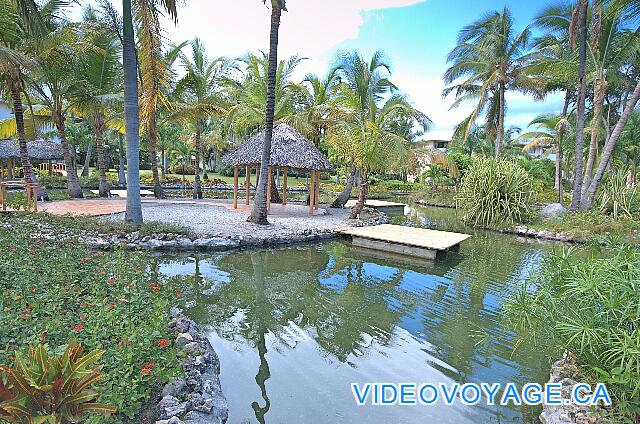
x,y
43,388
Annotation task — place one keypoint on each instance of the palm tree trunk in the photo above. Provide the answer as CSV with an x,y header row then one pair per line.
x,y
346,193
132,120
197,188
259,211
164,163
500,129
598,101
87,161
362,196
559,154
608,148
18,112
73,186
103,186
153,151
580,118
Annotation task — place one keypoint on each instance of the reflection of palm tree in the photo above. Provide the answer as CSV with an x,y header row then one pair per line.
x,y
261,305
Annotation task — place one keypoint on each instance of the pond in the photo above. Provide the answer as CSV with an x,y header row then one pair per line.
x,y
295,326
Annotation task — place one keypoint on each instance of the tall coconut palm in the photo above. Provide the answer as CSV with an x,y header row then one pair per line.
x,y
199,95
156,77
362,84
259,211
57,55
580,22
18,20
487,62
97,94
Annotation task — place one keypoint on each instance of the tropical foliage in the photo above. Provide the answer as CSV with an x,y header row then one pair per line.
x,y
495,191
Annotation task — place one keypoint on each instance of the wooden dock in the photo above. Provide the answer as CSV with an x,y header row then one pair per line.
x,y
381,205
417,242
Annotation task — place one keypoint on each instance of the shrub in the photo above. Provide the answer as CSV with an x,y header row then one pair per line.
x,y
616,199
589,306
180,169
107,301
495,191
51,388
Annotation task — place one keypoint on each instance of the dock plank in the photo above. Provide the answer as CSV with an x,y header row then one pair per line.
x,y
408,236
372,203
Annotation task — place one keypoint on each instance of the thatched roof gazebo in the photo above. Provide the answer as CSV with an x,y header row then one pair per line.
x,y
40,150
289,149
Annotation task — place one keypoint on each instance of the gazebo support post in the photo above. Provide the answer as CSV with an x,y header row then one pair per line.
x,y
235,187
10,171
284,187
269,188
311,191
317,191
248,184
50,164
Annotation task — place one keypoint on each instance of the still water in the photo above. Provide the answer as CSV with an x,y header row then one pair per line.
x,y
295,326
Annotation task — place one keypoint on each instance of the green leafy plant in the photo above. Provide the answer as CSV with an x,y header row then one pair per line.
x,y
43,388
590,307
616,199
494,191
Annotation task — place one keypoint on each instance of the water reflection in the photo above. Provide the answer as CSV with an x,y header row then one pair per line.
x,y
295,326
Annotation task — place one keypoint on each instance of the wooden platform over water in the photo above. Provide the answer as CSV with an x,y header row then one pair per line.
x,y
123,193
418,242
381,205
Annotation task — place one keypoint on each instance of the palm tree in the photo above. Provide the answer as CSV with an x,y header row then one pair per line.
x,y
97,94
18,20
156,77
259,211
57,56
199,95
551,131
372,140
580,21
132,135
489,58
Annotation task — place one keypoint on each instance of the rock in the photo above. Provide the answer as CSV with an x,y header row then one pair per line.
x,y
553,211
170,406
172,420
215,243
193,348
176,387
98,243
184,244
152,244
183,339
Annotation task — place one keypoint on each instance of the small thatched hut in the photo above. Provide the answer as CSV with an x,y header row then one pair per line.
x,y
39,150
289,149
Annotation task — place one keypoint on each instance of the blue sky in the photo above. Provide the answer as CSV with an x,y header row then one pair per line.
x,y
415,34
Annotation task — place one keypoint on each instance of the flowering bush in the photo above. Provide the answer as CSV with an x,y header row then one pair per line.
x,y
51,290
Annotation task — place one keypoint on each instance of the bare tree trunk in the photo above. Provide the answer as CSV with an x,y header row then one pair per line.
x,y
18,112
87,161
609,146
132,120
343,198
362,196
197,188
500,129
73,186
164,163
153,151
103,186
580,118
275,195
259,211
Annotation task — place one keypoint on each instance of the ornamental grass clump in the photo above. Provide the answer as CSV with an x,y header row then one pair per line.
x,y
590,307
495,191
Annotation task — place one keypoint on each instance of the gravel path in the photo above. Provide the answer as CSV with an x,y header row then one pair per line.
x,y
207,219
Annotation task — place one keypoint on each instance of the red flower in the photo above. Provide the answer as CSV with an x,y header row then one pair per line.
x,y
147,368
111,281
13,249
119,344
79,327
34,291
162,343
85,260
155,287
95,255
178,293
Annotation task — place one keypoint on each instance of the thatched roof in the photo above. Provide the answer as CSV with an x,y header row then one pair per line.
x,y
289,149
38,149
